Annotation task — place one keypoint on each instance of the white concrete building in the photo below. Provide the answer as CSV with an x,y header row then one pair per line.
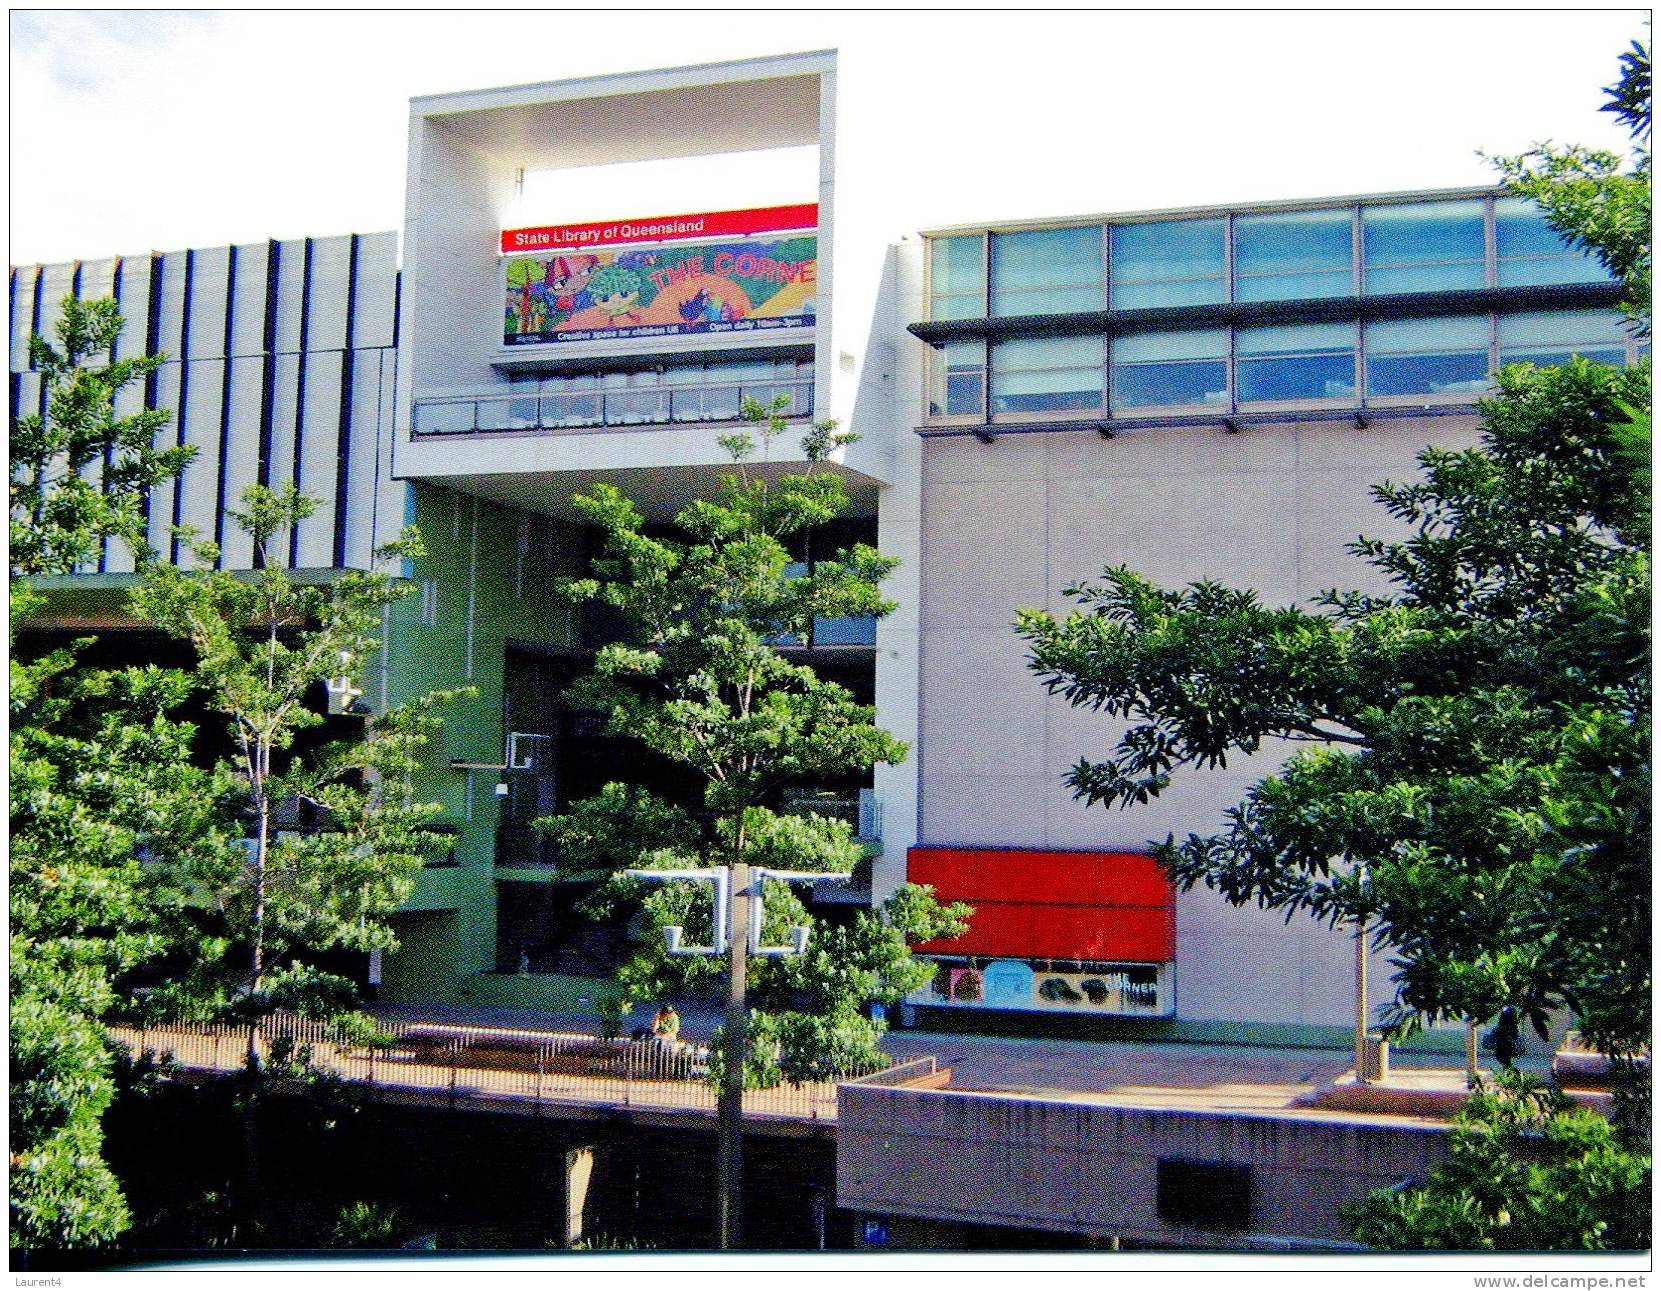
x,y
1195,394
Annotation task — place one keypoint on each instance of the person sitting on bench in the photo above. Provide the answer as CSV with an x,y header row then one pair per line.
x,y
666,1029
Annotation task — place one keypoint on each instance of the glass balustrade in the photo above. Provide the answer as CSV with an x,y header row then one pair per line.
x,y
668,404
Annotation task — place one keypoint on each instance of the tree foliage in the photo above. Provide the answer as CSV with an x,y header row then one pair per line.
x,y
1525,1171
1473,781
80,474
317,848
702,681
99,774
1593,196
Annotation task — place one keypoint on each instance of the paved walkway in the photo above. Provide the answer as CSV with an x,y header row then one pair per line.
x,y
1215,1076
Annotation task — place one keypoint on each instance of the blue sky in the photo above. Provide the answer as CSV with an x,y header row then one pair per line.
x,y
133,130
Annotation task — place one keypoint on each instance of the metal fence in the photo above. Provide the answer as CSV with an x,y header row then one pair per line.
x,y
484,1062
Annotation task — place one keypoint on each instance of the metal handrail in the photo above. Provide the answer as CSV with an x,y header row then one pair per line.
x,y
481,1062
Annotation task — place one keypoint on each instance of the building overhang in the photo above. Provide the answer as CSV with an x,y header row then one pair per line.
x,y
1419,304
639,116
658,492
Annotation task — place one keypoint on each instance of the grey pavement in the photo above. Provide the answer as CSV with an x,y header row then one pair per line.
x,y
1020,1063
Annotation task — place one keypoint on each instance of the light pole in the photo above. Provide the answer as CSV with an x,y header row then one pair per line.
x,y
737,923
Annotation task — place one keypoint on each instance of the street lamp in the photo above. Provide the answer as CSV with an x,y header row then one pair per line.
x,y
738,916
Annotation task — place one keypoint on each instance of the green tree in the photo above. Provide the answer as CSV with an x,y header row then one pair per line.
x,y
62,510
1525,1171
316,846
701,681
1476,782
1600,200
351,837
99,773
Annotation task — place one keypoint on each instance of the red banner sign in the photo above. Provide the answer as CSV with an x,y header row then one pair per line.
x,y
661,228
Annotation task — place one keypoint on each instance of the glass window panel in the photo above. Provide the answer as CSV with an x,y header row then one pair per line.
x,y
494,414
957,266
1048,352
1158,385
1062,374
1550,338
1423,246
687,405
722,403
1298,339
1141,347
1170,369
1282,364
1292,255
1554,356
1414,334
636,407
571,410
522,412
1563,327
1172,262
1047,271
957,385
1427,356
1283,378
1533,253
1407,374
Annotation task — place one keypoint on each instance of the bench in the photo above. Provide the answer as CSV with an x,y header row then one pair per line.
x,y
571,1055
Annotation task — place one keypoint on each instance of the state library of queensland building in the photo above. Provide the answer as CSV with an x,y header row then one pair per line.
x,y
1203,393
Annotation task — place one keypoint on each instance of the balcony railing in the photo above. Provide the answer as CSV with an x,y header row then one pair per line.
x,y
514,1070
606,409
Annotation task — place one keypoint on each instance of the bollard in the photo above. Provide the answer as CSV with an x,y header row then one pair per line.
x,y
1375,1067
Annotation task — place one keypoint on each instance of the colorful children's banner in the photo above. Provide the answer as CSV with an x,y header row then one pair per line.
x,y
701,226
665,290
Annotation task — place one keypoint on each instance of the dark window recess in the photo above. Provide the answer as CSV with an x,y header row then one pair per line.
x,y
539,929
1206,1194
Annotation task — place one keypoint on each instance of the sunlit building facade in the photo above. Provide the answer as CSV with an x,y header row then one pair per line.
x,y
1195,394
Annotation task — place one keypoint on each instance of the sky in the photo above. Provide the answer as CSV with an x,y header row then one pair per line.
x,y
157,130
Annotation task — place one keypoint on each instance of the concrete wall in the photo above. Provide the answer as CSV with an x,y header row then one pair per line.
x,y
1008,524
1087,1168
280,369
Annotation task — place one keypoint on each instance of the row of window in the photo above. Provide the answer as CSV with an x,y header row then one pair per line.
x,y
1219,368
1286,255
686,392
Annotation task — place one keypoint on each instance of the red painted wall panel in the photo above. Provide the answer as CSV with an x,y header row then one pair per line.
x,y
1053,905
1053,878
